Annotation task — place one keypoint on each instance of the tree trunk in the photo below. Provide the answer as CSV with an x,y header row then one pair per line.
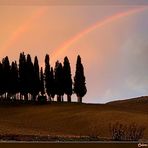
x,y
21,97
33,98
5,95
49,98
68,98
53,99
79,99
8,96
62,98
58,98
26,97
16,96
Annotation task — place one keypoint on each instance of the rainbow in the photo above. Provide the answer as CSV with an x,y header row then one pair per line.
x,y
62,48
23,28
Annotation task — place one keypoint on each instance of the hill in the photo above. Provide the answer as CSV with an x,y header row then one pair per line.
x,y
141,100
72,119
139,104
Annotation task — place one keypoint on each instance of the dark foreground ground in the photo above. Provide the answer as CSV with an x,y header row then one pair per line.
x,y
10,137
69,121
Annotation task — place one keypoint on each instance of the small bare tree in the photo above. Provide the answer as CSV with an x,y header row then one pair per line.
x,y
123,132
93,132
135,132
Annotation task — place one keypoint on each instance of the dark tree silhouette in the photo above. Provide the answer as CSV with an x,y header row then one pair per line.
x,y
36,79
29,81
42,99
14,80
52,84
42,88
6,72
67,79
59,81
79,80
22,75
47,77
1,79
30,76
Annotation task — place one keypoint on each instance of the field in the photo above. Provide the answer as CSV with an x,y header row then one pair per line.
x,y
72,119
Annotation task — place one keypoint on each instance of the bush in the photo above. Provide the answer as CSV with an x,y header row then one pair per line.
x,y
135,132
123,132
93,132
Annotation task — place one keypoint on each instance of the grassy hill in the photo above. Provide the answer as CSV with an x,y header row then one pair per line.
x,y
72,119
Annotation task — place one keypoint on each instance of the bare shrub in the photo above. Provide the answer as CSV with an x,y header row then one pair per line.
x,y
93,132
135,132
117,131
124,132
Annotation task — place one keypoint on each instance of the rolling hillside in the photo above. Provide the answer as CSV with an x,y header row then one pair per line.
x,y
72,119
139,104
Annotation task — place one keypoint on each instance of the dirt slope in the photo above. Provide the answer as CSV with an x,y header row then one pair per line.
x,y
71,119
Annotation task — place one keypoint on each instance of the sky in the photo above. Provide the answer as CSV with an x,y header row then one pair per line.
x,y
111,40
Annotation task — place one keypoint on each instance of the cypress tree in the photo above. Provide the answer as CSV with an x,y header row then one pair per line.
x,y
67,79
22,75
59,81
42,88
36,79
14,79
1,79
79,80
52,83
47,77
30,76
6,72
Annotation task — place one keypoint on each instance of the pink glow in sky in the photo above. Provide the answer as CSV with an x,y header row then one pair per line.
x,y
109,39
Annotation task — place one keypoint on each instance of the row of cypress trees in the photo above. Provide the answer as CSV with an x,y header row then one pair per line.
x,y
26,80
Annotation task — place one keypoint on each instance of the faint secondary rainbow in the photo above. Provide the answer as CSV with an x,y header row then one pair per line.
x,y
62,48
23,28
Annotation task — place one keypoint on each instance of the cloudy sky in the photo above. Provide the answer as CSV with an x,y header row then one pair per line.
x,y
111,39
